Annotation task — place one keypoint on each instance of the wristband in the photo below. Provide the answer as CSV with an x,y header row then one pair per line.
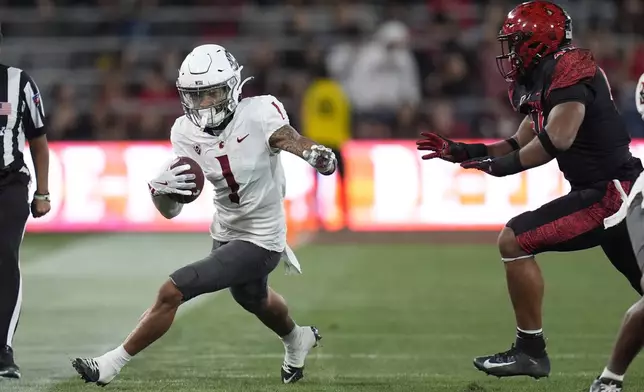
x,y
508,164
513,143
44,197
477,150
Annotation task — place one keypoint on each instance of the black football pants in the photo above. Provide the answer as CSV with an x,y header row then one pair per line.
x,y
14,211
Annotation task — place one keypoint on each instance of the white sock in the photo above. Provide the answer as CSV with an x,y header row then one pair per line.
x,y
117,357
612,376
293,336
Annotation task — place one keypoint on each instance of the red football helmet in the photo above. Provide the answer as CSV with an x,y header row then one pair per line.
x,y
531,31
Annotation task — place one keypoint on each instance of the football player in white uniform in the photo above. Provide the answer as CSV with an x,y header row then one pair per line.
x,y
630,338
237,143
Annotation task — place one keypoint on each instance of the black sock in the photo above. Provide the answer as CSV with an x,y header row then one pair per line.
x,y
532,344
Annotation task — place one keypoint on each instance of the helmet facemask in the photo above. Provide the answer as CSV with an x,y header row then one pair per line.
x,y
209,106
509,62
209,86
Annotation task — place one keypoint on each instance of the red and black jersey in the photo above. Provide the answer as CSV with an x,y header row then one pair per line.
x,y
600,151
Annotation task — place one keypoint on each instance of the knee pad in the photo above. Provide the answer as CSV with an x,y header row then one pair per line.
x,y
250,296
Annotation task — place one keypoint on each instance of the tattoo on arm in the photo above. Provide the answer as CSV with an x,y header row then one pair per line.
x,y
287,139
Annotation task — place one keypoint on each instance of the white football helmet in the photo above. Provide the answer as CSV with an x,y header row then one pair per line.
x,y
209,85
639,96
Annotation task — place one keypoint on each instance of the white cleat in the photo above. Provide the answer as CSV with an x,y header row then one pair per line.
x,y
295,354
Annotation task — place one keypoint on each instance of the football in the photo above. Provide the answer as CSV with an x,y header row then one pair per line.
x,y
199,180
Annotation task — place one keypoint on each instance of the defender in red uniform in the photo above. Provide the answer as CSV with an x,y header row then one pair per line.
x,y
570,117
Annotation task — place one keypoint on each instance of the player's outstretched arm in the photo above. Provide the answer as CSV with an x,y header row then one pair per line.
x,y
457,152
288,139
564,121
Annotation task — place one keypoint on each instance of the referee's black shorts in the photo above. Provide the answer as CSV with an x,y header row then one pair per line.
x,y
14,211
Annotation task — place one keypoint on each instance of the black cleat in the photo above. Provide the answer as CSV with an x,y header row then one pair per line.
x,y
513,363
606,385
8,368
291,374
88,370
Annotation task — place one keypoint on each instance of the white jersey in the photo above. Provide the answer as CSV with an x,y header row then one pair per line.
x,y
246,172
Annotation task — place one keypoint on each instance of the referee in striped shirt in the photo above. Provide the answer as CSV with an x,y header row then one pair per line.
x,y
21,118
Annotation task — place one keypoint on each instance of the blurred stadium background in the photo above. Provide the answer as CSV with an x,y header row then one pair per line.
x,y
401,271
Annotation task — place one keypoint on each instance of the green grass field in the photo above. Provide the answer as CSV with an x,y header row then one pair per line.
x,y
393,318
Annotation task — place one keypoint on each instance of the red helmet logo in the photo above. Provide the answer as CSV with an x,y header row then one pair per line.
x,y
530,32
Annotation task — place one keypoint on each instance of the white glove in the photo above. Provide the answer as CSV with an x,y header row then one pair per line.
x,y
639,96
321,158
170,180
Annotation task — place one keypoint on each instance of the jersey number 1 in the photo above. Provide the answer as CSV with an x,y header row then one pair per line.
x,y
230,178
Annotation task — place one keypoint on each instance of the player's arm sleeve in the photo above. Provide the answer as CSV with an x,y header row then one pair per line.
x,y
34,111
274,118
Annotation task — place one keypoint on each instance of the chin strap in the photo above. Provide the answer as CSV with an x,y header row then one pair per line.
x,y
239,88
248,79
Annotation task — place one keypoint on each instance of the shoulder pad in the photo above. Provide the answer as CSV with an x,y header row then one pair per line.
x,y
572,67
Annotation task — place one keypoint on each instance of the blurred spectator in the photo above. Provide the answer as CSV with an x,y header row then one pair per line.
x,y
442,120
630,17
110,66
64,119
408,122
343,55
152,126
384,76
451,78
156,89
261,67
